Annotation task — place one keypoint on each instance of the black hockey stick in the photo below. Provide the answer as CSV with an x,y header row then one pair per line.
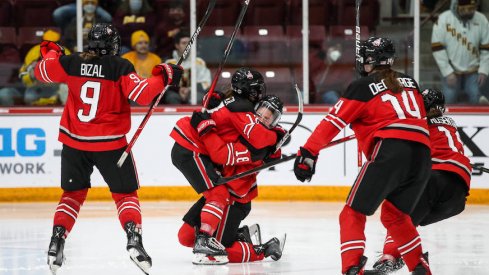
x,y
229,46
124,155
278,161
480,167
297,120
358,58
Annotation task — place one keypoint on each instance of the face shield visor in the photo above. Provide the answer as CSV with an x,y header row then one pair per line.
x,y
267,114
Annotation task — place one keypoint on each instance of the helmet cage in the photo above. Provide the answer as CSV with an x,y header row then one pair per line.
x,y
269,111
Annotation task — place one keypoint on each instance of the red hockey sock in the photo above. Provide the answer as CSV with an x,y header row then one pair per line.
x,y
217,199
352,227
68,208
128,207
403,232
186,235
242,252
390,247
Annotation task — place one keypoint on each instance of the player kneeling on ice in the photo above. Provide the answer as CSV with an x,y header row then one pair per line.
x,y
226,140
384,108
449,183
93,129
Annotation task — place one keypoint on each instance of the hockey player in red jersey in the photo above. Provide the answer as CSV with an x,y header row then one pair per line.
x,y
93,131
384,109
237,241
449,183
236,121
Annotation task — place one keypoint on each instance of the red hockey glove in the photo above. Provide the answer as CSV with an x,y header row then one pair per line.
x,y
47,46
202,122
171,73
281,132
273,156
305,165
215,99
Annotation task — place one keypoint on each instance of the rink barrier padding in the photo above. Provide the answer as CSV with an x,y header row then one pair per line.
x,y
184,193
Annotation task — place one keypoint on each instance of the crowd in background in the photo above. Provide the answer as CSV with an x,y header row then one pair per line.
x,y
150,37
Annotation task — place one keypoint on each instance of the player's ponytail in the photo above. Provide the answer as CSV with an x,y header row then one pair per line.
x,y
390,78
86,56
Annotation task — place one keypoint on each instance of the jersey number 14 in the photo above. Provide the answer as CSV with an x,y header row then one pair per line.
x,y
407,101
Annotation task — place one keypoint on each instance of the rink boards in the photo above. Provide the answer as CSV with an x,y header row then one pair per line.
x,y
30,157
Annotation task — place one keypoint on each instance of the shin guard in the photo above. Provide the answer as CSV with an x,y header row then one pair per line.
x,y
68,208
128,208
352,227
242,252
217,199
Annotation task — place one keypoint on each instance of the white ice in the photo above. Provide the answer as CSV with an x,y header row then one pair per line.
x,y
97,243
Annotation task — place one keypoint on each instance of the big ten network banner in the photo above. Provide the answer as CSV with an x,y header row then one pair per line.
x,y
30,152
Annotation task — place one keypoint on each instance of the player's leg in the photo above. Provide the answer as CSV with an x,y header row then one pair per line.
x,y
414,160
123,183
76,169
191,223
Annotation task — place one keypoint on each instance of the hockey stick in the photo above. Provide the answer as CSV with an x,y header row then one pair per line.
x,y
480,167
278,161
244,7
358,63
297,120
124,155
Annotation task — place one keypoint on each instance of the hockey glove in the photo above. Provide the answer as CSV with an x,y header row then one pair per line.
x,y
202,122
215,99
171,73
273,156
47,46
305,165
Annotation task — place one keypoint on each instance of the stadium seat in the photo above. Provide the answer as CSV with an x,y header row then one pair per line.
x,y
279,82
369,13
347,32
225,13
211,49
210,31
8,36
31,13
6,11
265,12
30,36
317,33
266,45
319,13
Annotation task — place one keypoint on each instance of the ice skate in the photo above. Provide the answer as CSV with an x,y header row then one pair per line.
x,y
273,248
135,247
387,264
209,251
55,250
250,234
357,269
423,268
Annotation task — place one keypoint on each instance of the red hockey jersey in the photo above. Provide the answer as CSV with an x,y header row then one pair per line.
x,y
375,112
234,118
447,149
96,116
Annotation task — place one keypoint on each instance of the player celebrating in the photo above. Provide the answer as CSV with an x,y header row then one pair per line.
x,y
383,108
449,183
94,123
236,119
238,242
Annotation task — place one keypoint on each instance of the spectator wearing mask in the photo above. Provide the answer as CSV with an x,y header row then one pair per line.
x,y
203,74
133,15
142,59
90,18
460,44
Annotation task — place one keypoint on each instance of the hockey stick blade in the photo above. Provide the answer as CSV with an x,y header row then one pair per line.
x,y
134,138
480,167
229,46
297,120
278,161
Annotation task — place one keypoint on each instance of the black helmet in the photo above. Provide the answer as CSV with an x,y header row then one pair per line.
x,y
433,98
275,107
376,51
249,84
104,39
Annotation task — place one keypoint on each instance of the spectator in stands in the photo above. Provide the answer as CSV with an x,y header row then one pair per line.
x,y
9,96
167,29
203,74
142,59
133,15
330,74
63,15
90,17
460,44
37,93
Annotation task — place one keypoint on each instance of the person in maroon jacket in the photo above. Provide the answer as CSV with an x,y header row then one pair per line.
x,y
236,121
93,128
384,109
449,184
